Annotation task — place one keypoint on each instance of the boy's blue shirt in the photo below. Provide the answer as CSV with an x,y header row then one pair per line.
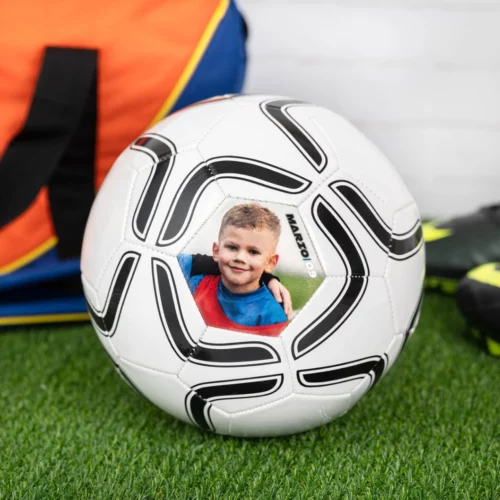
x,y
257,308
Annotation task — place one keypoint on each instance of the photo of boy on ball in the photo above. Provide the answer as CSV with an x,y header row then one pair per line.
x,y
234,289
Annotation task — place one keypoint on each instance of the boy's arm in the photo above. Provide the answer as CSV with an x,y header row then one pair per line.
x,y
186,262
282,296
205,264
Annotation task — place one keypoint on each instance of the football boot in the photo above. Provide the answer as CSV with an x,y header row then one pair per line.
x,y
456,245
478,298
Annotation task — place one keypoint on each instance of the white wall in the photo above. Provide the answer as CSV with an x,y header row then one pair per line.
x,y
421,78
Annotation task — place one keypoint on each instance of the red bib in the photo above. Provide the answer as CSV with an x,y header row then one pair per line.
x,y
205,297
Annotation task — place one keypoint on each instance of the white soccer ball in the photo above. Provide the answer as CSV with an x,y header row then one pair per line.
x,y
351,253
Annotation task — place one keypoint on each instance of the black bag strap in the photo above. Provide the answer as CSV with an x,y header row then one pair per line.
x,y
56,147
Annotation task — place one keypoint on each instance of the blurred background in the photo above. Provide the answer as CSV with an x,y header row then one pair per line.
x,y
421,78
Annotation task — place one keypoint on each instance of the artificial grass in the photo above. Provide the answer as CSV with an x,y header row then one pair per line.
x,y
301,288
71,428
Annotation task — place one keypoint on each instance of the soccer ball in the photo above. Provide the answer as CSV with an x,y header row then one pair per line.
x,y
351,255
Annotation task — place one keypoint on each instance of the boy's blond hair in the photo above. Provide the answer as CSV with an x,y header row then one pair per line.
x,y
251,216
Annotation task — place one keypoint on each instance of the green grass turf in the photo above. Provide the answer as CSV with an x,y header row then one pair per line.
x,y
301,288
71,428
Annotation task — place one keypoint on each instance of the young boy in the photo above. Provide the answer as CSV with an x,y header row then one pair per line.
x,y
238,298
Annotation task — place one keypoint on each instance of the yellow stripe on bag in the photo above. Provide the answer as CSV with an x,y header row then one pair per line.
x,y
30,257
48,318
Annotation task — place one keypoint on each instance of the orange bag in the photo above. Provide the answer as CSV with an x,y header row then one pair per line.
x,y
79,83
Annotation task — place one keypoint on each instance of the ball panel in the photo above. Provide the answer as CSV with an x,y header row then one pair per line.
x,y
108,347
386,362
189,193
91,298
326,231
362,160
296,336
239,386
188,126
112,200
338,379
250,178
394,349
162,389
405,267
254,100
319,153
295,413
226,352
219,420
118,274
268,145
89,291
348,332
341,235
360,390
168,324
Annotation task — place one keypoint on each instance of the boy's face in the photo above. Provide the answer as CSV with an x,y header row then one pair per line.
x,y
243,255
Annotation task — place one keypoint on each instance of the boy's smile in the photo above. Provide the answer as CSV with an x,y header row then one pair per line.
x,y
243,254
